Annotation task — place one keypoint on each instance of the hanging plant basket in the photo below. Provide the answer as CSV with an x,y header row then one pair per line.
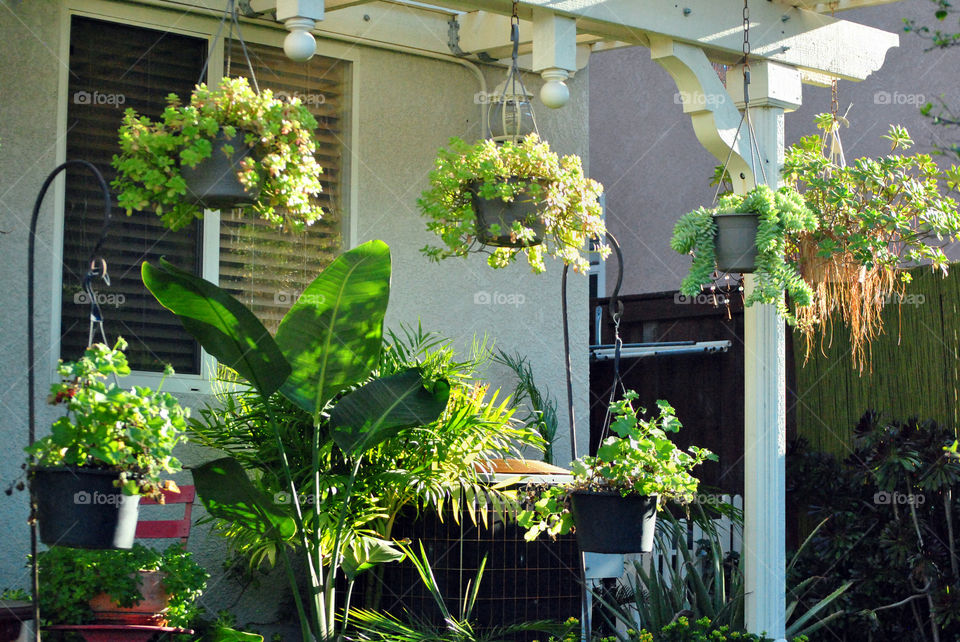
x,y
150,611
82,508
736,241
496,211
608,522
213,183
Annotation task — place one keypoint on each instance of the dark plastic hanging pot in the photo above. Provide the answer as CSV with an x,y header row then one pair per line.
x,y
213,182
736,241
497,211
82,508
607,522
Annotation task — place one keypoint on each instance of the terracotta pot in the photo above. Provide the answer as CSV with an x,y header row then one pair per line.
x,y
149,611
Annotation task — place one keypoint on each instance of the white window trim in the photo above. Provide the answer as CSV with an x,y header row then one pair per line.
x,y
200,25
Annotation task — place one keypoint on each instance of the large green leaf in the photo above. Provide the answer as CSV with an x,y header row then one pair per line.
x,y
332,334
379,409
223,326
227,493
365,553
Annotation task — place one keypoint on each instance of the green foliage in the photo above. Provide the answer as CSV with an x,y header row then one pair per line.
x,y
542,412
640,459
891,514
422,466
782,214
682,629
282,164
939,38
456,627
108,427
883,212
338,419
229,331
567,201
707,583
70,577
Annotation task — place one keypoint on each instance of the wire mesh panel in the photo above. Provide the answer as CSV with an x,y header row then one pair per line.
x,y
523,581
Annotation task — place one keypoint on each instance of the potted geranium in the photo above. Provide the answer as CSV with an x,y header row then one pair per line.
x,y
764,247
613,498
112,446
229,146
139,586
514,197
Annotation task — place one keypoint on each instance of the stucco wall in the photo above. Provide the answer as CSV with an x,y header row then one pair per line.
x,y
642,146
407,107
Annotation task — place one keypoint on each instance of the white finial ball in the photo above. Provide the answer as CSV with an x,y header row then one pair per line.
x,y
554,94
299,45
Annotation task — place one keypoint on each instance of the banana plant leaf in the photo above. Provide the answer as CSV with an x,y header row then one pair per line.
x,y
223,326
332,335
227,493
383,407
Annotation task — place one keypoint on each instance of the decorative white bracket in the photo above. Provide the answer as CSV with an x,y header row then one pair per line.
x,y
554,54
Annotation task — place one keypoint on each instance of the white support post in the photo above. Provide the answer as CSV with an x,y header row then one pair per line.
x,y
773,89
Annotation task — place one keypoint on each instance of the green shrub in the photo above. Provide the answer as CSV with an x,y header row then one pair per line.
x,y
891,520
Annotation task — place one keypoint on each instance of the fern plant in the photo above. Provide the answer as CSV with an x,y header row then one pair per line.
x,y
782,215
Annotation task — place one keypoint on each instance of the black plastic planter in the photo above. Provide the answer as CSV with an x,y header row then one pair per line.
x,y
611,523
83,509
213,183
502,213
736,242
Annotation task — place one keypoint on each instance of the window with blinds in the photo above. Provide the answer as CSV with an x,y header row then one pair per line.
x,y
265,268
114,66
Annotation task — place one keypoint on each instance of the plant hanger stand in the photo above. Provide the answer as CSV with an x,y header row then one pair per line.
x,y
96,319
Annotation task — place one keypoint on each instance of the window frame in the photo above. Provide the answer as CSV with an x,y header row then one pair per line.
x,y
201,24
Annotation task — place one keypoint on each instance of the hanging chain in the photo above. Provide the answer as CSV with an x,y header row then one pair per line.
x,y
515,33
834,99
746,33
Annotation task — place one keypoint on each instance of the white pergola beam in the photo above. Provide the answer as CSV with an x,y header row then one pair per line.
x,y
782,33
489,33
830,6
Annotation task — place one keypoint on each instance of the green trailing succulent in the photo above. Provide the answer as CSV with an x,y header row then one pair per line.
x,y
782,215
282,164
567,201
638,459
70,577
108,427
